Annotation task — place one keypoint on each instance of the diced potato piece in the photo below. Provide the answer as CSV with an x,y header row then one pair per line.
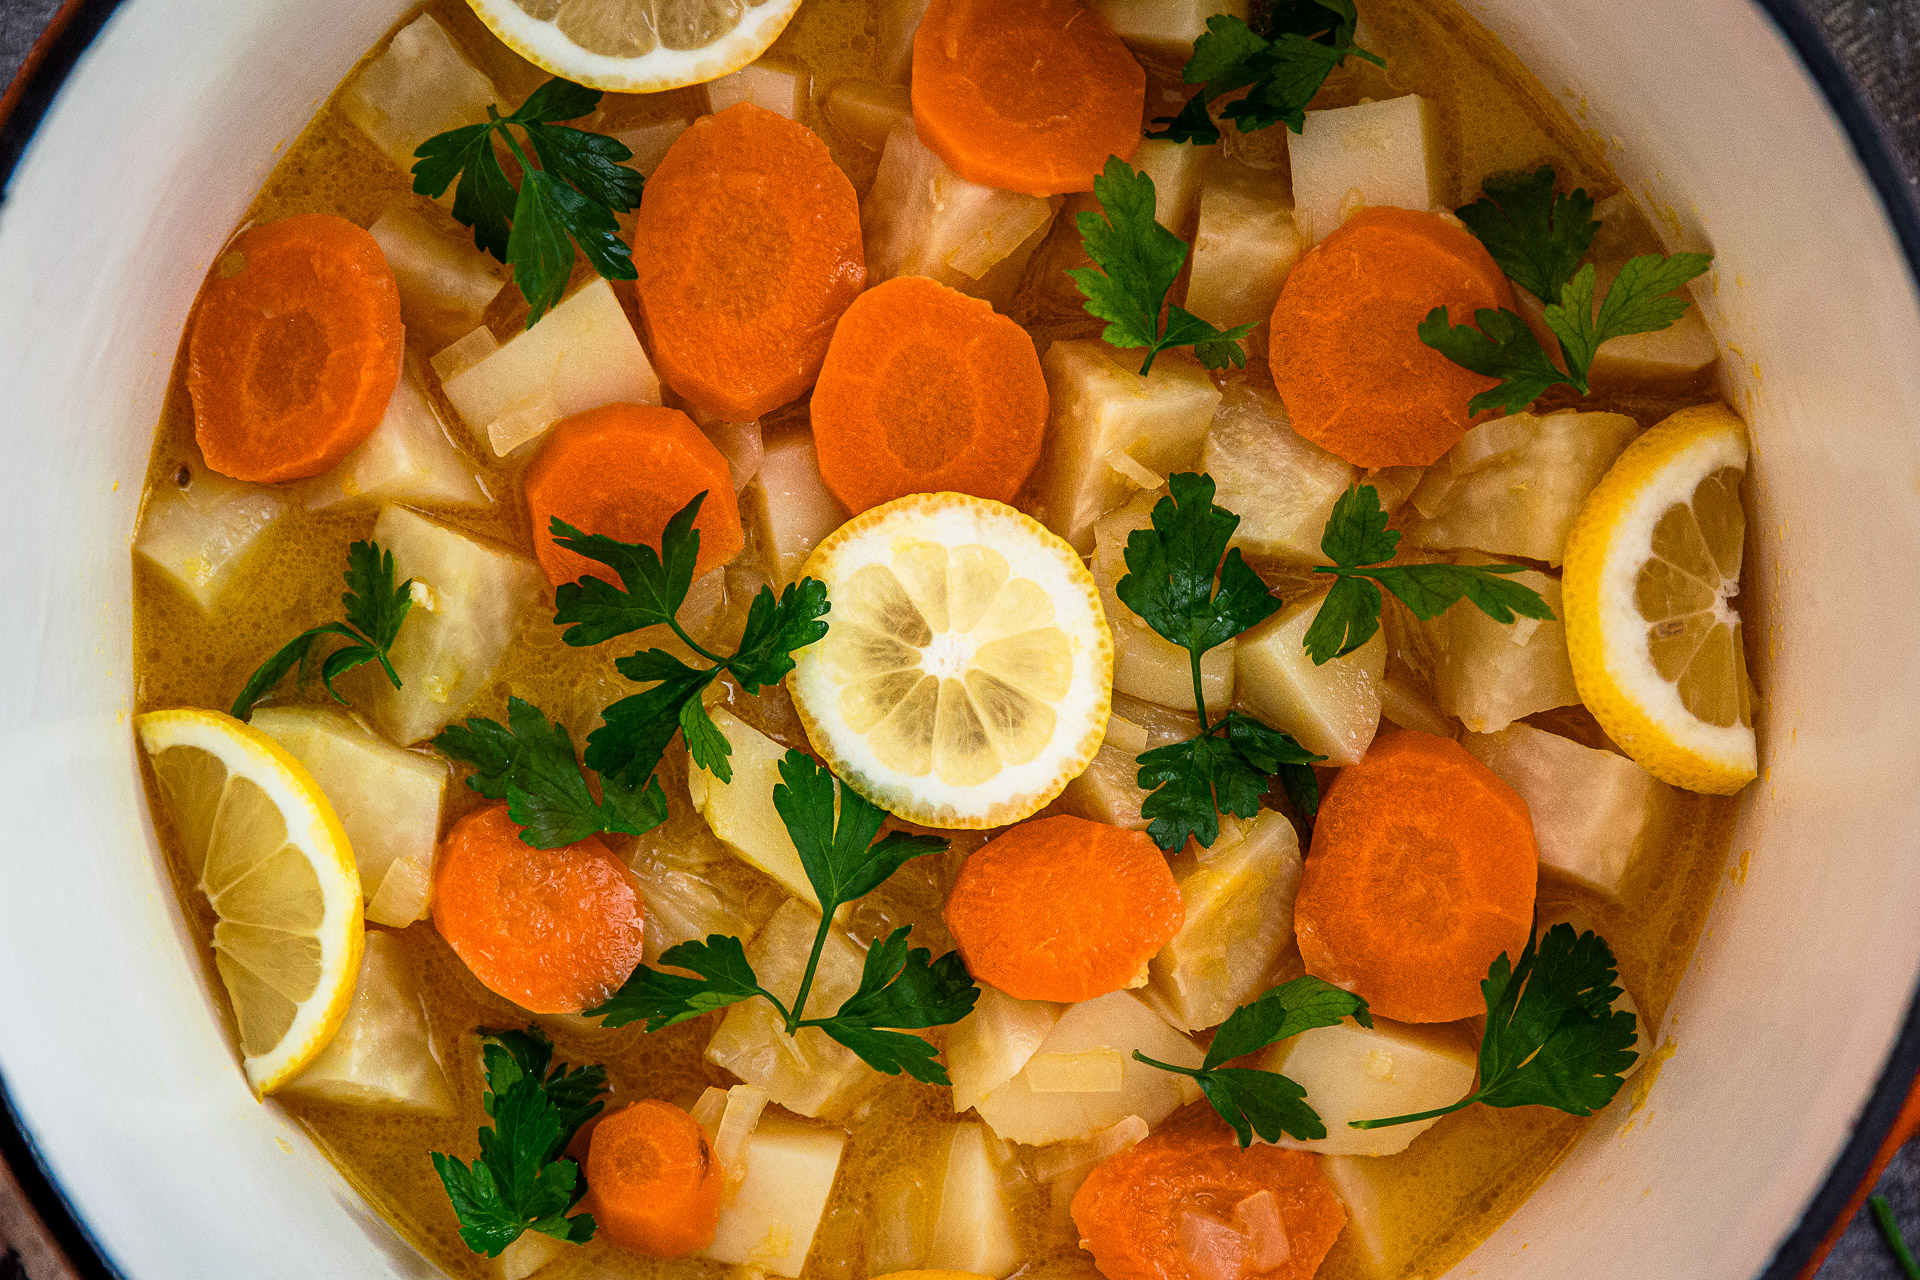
x,y
769,84
1246,243
1146,664
475,595
922,219
1102,409
1173,23
650,142
1088,1071
810,1073
583,354
789,504
1105,791
198,533
1331,709
532,1251
989,1046
1377,153
973,1231
1352,1073
893,50
1239,926
408,458
419,86
867,111
445,281
382,1055
1282,486
1406,701
770,1223
741,812
1064,1166
1512,486
1175,168
1488,674
1120,1021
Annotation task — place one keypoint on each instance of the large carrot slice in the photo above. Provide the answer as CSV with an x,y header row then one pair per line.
x,y
748,247
1421,872
295,348
1025,95
1346,352
927,390
553,930
623,470
654,1184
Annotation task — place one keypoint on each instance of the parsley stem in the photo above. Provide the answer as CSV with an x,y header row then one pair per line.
x,y
1435,1114
1194,1073
795,1015
1199,697
694,645
1889,1228
512,144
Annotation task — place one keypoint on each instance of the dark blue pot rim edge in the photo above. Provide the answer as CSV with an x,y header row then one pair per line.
x,y
1897,197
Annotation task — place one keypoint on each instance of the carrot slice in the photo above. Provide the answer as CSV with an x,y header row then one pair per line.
x,y
1346,352
654,1184
1064,909
927,390
1187,1203
1025,95
1422,870
295,348
623,470
749,249
553,930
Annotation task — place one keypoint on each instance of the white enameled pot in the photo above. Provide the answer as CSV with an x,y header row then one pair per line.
x,y
1791,1039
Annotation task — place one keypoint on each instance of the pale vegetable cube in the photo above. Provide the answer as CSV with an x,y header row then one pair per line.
x,y
730,1117
408,458
471,597
198,533
1394,484
1120,1021
1590,809
789,504
770,85
740,443
1406,701
532,1251
1377,153
1174,23
1239,926
1488,674
650,142
445,281
973,1231
1281,485
1332,708
741,811
922,219
770,1223
893,50
1245,244
1175,168
1065,1165
867,111
1353,1073
1146,664
1103,411
583,354
989,1046
382,1055
1361,1184
1672,356
691,883
810,1073
421,85
1088,1071
1106,791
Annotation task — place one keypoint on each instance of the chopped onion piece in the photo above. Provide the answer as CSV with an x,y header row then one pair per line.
x,y
1258,1219
741,1117
465,353
1213,1249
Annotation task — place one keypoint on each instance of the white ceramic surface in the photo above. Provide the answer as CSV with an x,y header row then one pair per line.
x,y
109,1040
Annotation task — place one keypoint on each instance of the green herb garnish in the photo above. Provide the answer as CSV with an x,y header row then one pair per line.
x,y
901,988
375,608
569,198
520,1182
1896,1240
1303,41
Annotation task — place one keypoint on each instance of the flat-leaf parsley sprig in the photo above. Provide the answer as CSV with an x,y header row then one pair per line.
x,y
1171,583
901,988
569,198
1283,67
375,608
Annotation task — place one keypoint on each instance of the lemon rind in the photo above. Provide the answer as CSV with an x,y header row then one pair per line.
x,y
550,49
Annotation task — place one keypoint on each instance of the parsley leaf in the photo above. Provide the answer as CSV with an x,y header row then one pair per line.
x,y
902,988
1283,69
1640,300
1137,260
1358,542
375,608
662,999
520,1182
1536,237
1503,347
1553,1038
568,200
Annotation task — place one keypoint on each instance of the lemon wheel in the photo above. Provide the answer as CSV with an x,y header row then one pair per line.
x,y
637,46
273,860
967,670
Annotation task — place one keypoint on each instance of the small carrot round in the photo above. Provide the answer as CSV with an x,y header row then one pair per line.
x,y
927,390
295,348
653,1183
623,470
1421,871
1025,95
553,930
1346,352
1064,909
748,248
1187,1203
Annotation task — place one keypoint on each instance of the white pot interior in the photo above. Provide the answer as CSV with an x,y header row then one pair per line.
x,y
110,1044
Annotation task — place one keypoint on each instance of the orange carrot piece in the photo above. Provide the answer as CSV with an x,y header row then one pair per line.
x,y
653,1182
1187,1203
623,470
748,247
553,930
1064,909
1025,95
1422,870
1346,352
927,390
295,348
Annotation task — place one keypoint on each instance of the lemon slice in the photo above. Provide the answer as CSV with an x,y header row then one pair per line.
x,y
967,669
275,863
637,46
1652,568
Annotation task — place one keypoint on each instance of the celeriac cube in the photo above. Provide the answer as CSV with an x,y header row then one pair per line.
x,y
1146,664
893,48
198,533
770,1222
1175,168
1673,356
867,111
788,503
1378,153
1331,709
382,1055
1102,413
1172,23
1360,1183
1488,674
1105,791
973,1230
419,86
989,1046
741,811
1087,1071
408,458
445,281
532,1251
1282,486
474,593
769,84
1245,244
650,142
1353,1073
1406,701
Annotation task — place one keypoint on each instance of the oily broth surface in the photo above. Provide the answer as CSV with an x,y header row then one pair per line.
x,y
1445,1193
